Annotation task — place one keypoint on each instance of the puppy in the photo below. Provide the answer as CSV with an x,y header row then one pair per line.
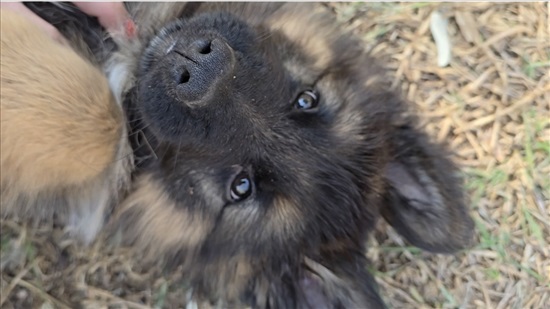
x,y
64,141
267,143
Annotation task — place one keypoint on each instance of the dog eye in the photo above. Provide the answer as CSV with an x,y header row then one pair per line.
x,y
241,187
307,100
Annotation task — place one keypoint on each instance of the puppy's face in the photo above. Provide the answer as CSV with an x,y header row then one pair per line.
x,y
276,147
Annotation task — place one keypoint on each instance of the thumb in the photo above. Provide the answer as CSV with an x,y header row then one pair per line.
x,y
111,15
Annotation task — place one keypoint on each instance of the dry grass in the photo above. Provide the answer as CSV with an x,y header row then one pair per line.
x,y
491,104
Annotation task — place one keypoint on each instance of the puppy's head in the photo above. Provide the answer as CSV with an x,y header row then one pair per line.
x,y
263,139
258,148
276,148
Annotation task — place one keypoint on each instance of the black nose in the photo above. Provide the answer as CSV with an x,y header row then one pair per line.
x,y
199,68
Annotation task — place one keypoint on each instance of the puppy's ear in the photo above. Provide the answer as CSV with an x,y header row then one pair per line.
x,y
348,285
424,200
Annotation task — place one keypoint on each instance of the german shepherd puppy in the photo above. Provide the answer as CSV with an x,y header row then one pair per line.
x,y
267,142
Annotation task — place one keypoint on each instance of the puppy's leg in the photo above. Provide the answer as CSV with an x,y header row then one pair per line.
x,y
424,200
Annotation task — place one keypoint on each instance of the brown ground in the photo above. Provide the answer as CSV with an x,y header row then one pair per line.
x,y
492,104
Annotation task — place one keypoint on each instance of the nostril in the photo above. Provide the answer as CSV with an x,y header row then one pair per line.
x,y
185,76
204,47
205,50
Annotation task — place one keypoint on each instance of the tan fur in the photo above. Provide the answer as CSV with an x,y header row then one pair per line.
x,y
61,126
231,276
285,218
305,35
167,227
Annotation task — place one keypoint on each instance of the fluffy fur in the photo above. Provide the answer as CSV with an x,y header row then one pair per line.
x,y
63,136
214,94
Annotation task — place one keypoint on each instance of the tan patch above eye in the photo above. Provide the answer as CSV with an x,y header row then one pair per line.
x,y
284,219
157,223
302,28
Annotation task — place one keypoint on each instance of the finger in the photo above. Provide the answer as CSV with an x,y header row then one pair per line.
x,y
21,9
111,15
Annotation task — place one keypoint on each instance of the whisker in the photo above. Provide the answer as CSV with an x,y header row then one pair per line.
x,y
136,131
124,156
135,120
149,145
177,153
265,36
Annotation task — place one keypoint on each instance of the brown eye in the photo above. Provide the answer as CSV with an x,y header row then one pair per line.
x,y
241,187
307,100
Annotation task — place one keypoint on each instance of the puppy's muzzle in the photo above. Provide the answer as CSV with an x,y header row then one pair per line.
x,y
200,67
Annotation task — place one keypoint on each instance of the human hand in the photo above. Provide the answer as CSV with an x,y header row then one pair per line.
x,y
111,15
